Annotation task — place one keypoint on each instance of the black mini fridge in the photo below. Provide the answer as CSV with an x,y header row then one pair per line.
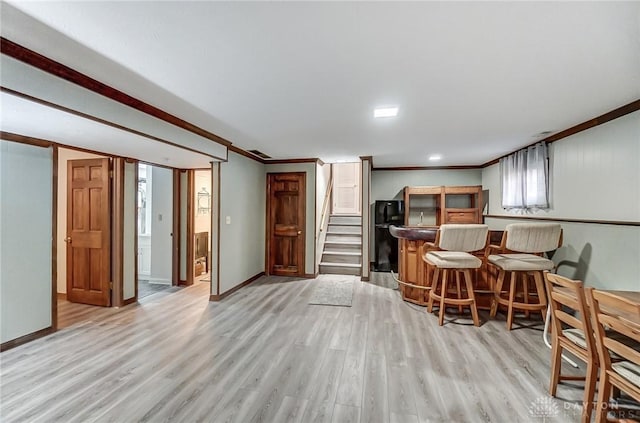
x,y
388,212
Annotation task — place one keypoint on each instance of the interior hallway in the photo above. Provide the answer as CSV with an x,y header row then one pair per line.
x,y
264,354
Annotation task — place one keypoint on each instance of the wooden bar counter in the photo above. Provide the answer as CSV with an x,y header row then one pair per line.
x,y
413,270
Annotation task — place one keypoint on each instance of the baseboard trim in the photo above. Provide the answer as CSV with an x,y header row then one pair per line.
x,y
129,301
218,297
159,281
364,278
26,338
61,295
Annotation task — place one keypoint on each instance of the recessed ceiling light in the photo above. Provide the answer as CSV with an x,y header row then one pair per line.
x,y
435,157
381,112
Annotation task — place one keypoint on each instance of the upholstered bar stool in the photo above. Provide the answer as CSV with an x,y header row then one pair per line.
x,y
454,243
522,247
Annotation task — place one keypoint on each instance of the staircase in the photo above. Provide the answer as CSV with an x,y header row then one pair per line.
x,y
342,254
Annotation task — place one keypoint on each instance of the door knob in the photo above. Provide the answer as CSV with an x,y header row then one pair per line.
x,y
299,232
67,239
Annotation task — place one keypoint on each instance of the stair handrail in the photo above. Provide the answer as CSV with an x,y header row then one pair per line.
x,y
325,205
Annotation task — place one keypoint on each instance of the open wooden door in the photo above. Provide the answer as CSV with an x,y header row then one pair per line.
x,y
346,188
286,223
88,232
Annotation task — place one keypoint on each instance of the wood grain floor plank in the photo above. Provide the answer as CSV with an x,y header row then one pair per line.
x,y
264,354
375,402
345,414
400,393
291,410
352,379
403,418
318,413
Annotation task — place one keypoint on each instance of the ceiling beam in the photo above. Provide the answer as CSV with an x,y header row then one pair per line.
x,y
52,67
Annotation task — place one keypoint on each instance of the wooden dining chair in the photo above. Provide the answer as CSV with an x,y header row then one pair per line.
x,y
621,318
573,333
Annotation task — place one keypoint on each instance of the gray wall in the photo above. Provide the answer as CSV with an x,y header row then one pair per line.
x,y
242,242
184,182
129,236
388,185
323,177
25,239
367,222
161,224
310,170
594,175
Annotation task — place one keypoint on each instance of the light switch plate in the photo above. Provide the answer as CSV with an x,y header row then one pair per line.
x,y
227,220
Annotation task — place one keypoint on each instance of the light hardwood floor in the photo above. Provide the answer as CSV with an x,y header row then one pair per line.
x,y
264,355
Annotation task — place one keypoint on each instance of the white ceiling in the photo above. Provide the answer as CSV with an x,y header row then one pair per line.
x,y
69,129
473,80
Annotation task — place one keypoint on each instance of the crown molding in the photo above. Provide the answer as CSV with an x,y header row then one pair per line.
x,y
634,106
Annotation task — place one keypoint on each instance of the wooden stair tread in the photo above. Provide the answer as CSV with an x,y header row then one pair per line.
x,y
354,265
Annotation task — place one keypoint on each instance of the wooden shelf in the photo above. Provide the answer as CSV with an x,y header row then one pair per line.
x,y
444,214
413,269
428,190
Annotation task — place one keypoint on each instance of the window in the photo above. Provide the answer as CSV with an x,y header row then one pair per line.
x,y
524,176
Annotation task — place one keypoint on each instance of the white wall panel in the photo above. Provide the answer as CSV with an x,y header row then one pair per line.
x,y
594,176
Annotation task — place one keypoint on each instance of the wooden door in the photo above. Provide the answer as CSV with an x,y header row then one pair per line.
x,y
88,232
346,188
286,223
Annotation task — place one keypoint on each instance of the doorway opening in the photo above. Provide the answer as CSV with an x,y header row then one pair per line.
x,y
202,201
342,244
155,227
83,234
346,189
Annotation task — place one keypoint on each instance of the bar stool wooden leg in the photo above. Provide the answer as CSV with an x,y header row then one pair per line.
x,y
494,301
458,290
542,296
525,290
445,280
434,289
471,295
512,293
